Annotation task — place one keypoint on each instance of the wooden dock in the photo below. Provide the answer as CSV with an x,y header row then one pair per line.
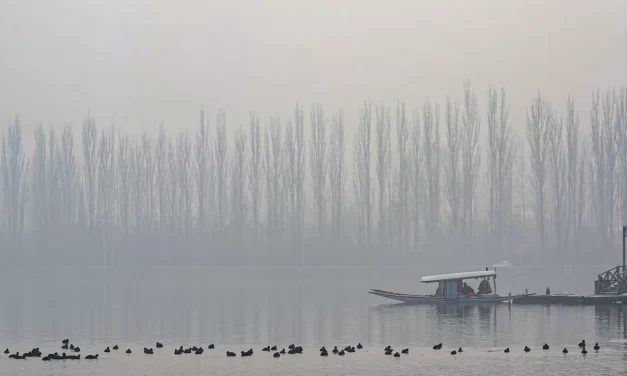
x,y
570,299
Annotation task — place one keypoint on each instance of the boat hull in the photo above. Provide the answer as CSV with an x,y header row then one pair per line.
x,y
427,299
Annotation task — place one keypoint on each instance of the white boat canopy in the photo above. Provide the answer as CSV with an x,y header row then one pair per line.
x,y
456,276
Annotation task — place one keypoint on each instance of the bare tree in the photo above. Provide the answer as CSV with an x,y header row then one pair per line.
x,y
137,194
417,183
621,127
161,167
537,130
573,155
453,163
184,161
431,152
124,163
471,158
383,166
220,158
238,192
174,189
40,187
255,182
149,161
500,159
67,172
203,156
558,173
362,162
318,170
90,167
337,174
611,139
272,168
14,174
105,189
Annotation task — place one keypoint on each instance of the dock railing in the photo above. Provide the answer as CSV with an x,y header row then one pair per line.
x,y
613,281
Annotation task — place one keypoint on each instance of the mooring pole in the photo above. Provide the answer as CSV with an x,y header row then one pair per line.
x,y
624,236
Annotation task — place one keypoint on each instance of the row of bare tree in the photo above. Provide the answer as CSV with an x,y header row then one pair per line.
x,y
272,196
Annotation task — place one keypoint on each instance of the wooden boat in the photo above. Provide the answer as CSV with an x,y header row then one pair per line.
x,y
448,284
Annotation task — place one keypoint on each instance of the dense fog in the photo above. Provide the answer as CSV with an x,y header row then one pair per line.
x,y
409,185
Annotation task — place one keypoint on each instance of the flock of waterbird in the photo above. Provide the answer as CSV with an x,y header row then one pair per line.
x,y
292,349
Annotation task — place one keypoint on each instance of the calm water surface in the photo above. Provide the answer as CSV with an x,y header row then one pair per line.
x,y
241,308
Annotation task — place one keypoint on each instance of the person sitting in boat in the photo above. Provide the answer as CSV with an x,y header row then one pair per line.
x,y
468,291
484,287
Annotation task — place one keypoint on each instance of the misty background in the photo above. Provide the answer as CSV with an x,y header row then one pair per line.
x,y
316,133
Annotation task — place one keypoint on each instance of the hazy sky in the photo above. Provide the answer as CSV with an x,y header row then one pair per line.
x,y
139,63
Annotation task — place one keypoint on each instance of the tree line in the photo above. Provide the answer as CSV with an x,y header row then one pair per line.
x,y
415,186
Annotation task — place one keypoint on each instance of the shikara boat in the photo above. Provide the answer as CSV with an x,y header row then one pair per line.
x,y
448,290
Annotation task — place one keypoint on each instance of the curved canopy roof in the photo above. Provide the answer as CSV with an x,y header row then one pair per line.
x,y
455,276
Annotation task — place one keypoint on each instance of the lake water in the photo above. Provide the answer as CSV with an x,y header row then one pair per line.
x,y
242,308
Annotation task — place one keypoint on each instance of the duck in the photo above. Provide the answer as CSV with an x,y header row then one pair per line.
x,y
74,357
291,347
460,350
266,349
6,351
291,352
298,349
194,348
77,349
359,346
128,351
211,347
405,351
324,353
335,350
276,355
388,347
453,352
583,351
65,341
178,351
46,358
341,353
247,353
527,349
397,355
283,351
596,347
388,352
107,349
65,346
565,351
582,343
438,346
115,347
92,356
198,351
545,347
187,351
159,345
323,349
229,353
273,348
148,351
72,347
506,350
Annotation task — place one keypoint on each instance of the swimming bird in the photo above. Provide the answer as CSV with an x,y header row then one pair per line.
x,y
582,343
72,347
291,352
460,350
247,353
198,351
584,352
159,345
6,351
107,349
115,347
596,347
438,347
276,355
187,351
128,351
388,352
545,347
341,353
229,353
283,351
324,353
273,348
453,352
323,349
506,350
359,346
335,350
77,349
397,355
65,346
92,356
65,341
211,346
266,349
388,347
565,351
527,349
291,347
405,351
148,351
178,351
